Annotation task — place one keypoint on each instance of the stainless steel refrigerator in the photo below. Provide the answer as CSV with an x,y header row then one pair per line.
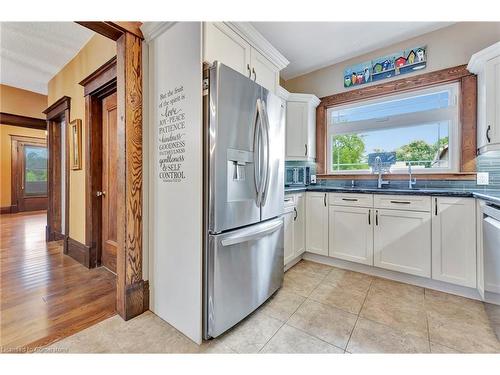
x,y
244,191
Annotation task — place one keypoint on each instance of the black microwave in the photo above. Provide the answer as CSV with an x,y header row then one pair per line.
x,y
297,176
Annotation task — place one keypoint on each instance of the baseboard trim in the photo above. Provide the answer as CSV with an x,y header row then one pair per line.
x,y
78,251
396,276
137,299
5,210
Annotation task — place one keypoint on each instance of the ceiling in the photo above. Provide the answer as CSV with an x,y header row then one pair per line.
x,y
313,45
31,53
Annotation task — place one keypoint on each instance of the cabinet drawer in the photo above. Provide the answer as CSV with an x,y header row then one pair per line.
x,y
350,199
403,202
289,200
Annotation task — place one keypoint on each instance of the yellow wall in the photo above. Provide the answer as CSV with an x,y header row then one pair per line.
x,y
22,102
94,54
19,102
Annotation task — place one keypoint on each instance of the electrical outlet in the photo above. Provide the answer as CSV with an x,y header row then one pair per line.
x,y
313,179
483,178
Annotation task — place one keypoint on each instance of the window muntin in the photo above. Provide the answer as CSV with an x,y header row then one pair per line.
x,y
423,132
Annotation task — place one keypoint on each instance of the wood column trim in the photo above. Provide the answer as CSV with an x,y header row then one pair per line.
x,y
105,74
468,114
132,297
23,121
131,300
58,111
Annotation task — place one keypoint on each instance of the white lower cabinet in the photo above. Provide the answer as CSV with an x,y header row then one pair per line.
x,y
299,225
351,234
454,240
317,223
288,235
402,241
294,218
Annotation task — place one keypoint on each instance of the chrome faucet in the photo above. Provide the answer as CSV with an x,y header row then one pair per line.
x,y
381,182
411,181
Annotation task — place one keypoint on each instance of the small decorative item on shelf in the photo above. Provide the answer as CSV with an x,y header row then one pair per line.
x,y
76,144
388,66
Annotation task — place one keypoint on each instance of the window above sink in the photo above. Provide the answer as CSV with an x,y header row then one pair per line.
x,y
421,127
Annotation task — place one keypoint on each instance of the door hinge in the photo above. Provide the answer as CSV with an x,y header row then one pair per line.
x,y
205,86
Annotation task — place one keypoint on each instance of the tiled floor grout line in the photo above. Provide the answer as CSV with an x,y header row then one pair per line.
x,y
359,313
284,323
427,321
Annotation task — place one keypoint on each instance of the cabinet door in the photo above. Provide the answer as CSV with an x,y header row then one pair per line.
x,y
311,132
454,241
223,44
351,234
296,131
492,83
299,226
264,72
402,241
288,234
317,223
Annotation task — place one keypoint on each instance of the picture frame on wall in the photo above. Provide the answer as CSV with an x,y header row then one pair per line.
x,y
76,144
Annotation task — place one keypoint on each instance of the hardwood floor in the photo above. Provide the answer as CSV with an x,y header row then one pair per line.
x,y
45,295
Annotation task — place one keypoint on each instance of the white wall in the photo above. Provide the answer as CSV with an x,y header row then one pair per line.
x,y
175,242
447,47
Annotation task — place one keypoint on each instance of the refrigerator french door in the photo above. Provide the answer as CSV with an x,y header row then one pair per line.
x,y
244,155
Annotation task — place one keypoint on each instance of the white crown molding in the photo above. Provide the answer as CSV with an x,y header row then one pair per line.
x,y
250,33
282,93
308,98
151,30
477,60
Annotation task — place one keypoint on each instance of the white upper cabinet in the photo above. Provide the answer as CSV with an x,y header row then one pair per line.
x,y
241,47
221,43
301,127
317,223
454,240
486,64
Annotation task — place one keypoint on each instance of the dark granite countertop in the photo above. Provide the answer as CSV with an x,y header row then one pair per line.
x,y
492,196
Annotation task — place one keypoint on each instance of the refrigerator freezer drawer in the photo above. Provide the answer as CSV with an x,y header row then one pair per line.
x,y
243,269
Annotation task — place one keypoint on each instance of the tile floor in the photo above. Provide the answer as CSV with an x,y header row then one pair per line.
x,y
320,309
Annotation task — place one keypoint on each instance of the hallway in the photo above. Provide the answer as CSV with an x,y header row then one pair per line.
x,y
45,295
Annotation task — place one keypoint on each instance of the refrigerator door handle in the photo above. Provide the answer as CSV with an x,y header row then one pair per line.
x,y
256,152
251,235
265,134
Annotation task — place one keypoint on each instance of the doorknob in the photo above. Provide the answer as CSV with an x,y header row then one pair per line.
x,y
100,193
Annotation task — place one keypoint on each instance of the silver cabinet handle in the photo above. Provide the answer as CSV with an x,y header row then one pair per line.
x,y
436,206
254,75
249,71
295,217
324,200
350,199
488,133
369,217
376,217
305,146
401,202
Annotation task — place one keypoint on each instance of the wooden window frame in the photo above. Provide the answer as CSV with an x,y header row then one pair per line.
x,y
468,114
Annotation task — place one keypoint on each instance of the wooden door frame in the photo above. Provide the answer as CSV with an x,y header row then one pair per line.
x,y
132,297
96,87
58,112
15,180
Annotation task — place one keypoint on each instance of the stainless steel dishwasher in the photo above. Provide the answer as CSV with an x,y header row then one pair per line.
x,y
491,249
